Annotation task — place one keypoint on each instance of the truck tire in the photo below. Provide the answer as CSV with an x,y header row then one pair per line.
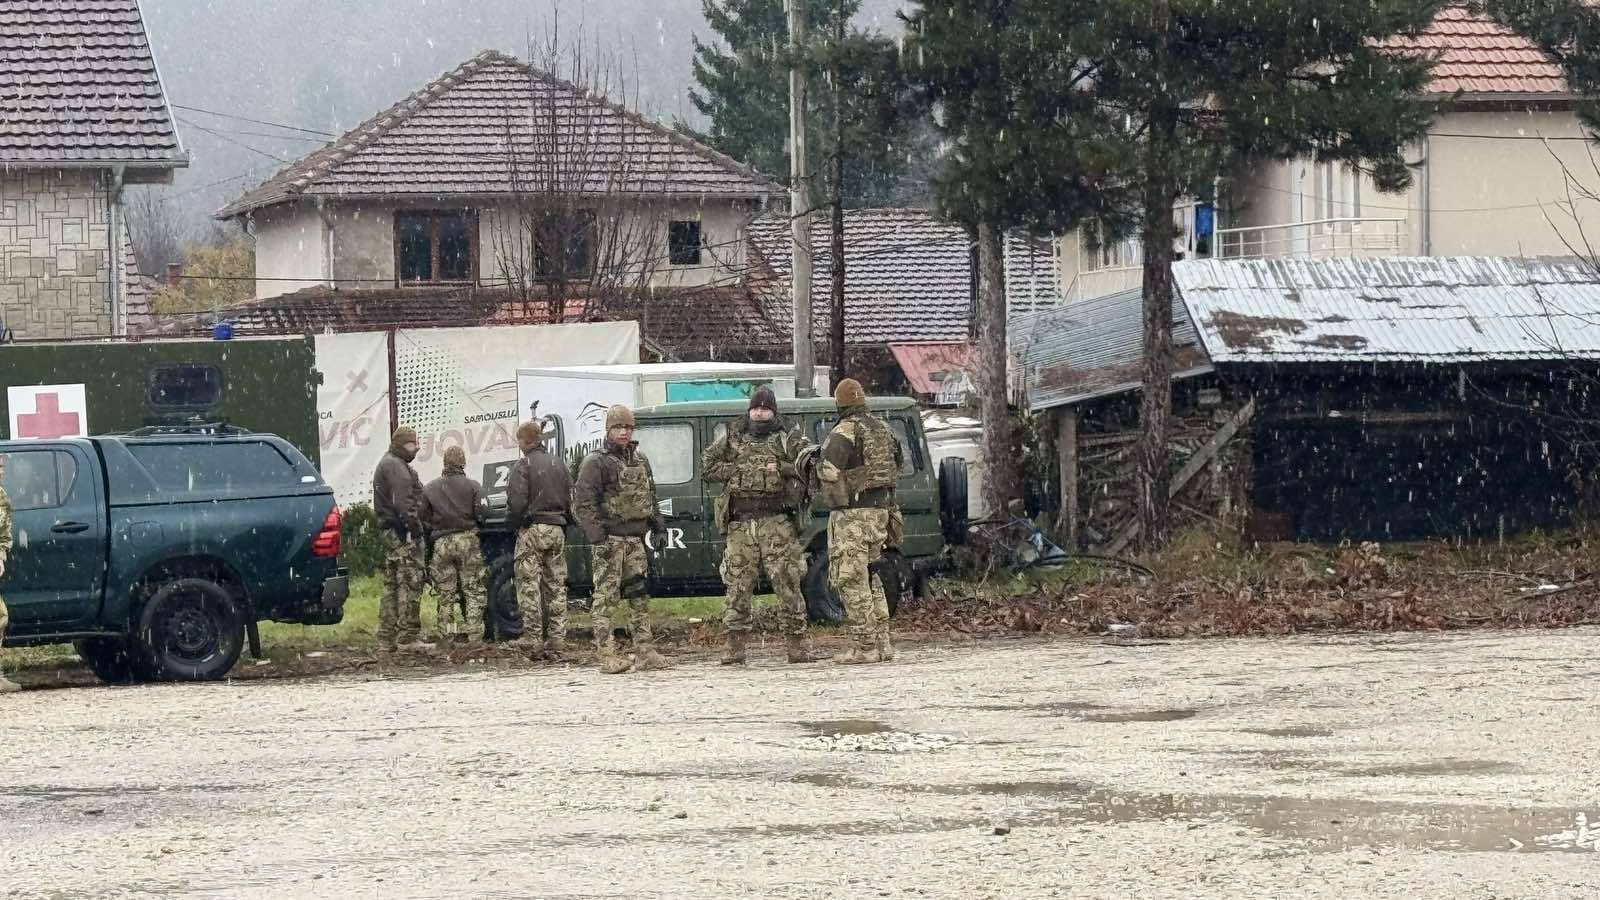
x,y
953,499
109,659
191,629
823,606
506,619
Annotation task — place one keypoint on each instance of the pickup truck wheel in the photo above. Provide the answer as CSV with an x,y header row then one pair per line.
x,y
190,630
823,605
109,659
505,617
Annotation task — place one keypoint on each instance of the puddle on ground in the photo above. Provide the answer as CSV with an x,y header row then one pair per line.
x,y
1064,706
1150,715
1436,767
1325,825
830,727
1291,731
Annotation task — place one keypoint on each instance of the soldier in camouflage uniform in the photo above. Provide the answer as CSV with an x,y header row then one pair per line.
x,y
859,469
452,510
539,504
7,686
758,512
615,503
396,498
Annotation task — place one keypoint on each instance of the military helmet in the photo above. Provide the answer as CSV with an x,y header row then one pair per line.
x,y
619,415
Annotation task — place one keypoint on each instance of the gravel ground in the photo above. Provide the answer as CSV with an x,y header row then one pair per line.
x,y
1411,766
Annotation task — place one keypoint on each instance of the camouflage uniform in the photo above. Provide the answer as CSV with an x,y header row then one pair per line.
x,y
757,512
539,504
397,499
860,467
6,686
541,569
400,607
458,576
615,504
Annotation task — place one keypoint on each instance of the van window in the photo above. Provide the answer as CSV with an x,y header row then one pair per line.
x,y
216,467
185,386
39,479
909,459
671,451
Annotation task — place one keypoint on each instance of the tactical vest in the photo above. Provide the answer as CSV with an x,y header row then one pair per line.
x,y
876,444
631,500
751,477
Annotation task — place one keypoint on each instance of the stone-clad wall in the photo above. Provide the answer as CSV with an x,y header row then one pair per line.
x,y
54,280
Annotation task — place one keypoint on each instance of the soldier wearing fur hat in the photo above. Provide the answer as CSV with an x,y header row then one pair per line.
x,y
397,499
860,466
615,503
539,504
758,513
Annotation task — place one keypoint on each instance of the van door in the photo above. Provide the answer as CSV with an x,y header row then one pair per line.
x,y
54,573
673,446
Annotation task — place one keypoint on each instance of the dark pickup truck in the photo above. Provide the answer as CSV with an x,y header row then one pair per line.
x,y
157,553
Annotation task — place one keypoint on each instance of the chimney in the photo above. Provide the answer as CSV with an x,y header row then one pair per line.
x,y
174,272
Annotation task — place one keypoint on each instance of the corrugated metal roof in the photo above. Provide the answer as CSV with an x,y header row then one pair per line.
x,y
1094,348
1377,309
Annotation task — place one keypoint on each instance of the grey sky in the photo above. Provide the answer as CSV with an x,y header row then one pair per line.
x,y
328,64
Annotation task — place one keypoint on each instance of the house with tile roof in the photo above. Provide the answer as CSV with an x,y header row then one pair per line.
x,y
82,116
500,175
1503,172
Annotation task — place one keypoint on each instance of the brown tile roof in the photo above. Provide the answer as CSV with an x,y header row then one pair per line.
x,y
78,84
450,138
1477,56
138,290
908,275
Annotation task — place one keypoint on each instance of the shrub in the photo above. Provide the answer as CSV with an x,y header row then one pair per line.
x,y
361,540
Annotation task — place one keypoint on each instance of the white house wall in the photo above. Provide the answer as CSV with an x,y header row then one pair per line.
x,y
291,243
291,250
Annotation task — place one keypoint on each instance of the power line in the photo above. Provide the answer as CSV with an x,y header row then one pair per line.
x,y
236,143
211,112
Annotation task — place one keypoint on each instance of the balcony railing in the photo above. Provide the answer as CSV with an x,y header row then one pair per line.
x,y
1316,239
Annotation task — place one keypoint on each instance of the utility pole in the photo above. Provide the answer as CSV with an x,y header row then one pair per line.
x,y
836,201
800,207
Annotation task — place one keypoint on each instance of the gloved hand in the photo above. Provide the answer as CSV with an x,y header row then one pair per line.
x,y
659,529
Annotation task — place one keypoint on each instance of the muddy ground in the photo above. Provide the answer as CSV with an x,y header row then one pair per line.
x,y
1353,766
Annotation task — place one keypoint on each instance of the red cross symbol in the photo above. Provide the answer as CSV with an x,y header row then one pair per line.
x,y
47,422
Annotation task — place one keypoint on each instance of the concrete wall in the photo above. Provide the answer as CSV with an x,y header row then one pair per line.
x,y
54,255
1499,195
291,242
291,250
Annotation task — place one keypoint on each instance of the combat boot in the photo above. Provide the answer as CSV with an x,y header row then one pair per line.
x,y
733,652
645,659
857,653
797,651
613,663
7,686
885,646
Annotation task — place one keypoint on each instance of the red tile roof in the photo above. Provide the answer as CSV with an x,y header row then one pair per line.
x,y
1477,56
451,138
78,84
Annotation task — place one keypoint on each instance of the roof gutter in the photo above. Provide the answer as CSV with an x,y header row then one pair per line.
x,y
117,273
160,164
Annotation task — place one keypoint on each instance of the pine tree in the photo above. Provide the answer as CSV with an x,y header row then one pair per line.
x,y
1105,114
742,89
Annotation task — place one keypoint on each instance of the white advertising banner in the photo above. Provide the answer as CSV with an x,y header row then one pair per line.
x,y
458,386
48,411
353,410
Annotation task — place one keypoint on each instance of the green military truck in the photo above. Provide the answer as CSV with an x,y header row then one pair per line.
x,y
675,434
81,388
